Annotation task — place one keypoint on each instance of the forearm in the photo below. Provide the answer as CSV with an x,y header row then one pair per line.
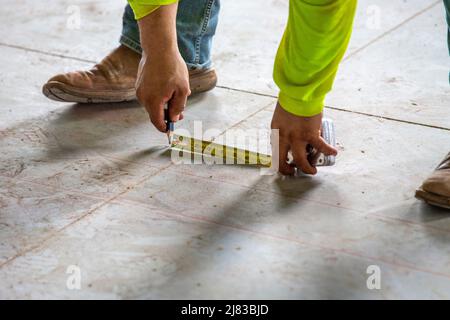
x,y
158,31
314,42
163,78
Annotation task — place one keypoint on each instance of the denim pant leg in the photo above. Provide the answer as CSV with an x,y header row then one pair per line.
x,y
130,31
196,25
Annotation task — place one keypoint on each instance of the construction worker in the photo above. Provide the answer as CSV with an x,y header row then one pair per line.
x,y
172,42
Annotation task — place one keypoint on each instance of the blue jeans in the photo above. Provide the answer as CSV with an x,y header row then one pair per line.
x,y
196,25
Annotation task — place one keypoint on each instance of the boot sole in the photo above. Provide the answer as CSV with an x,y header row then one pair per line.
x,y
58,91
433,199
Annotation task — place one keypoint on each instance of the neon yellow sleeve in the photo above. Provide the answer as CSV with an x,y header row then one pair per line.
x,y
141,8
313,44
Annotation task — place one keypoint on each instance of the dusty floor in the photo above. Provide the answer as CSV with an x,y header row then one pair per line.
x,y
88,185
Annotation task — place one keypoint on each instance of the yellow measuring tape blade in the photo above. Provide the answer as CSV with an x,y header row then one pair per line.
x,y
227,154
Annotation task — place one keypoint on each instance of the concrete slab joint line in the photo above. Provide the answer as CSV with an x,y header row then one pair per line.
x,y
346,110
51,54
391,30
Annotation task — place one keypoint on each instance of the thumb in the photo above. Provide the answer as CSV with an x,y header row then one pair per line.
x,y
321,145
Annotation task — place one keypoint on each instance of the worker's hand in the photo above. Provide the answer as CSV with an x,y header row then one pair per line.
x,y
162,80
162,76
295,133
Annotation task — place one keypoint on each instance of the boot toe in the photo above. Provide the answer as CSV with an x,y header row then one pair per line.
x,y
438,183
61,78
77,79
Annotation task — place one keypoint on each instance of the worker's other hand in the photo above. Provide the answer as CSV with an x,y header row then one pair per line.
x,y
163,79
295,133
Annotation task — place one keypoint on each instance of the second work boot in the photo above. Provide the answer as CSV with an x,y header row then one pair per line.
x,y
113,80
435,190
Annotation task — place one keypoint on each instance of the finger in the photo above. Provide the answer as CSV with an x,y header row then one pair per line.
x,y
322,146
156,113
177,104
283,166
300,158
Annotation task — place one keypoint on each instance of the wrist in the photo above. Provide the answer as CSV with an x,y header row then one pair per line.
x,y
299,107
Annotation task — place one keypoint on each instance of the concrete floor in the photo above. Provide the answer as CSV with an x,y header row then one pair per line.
x,y
89,185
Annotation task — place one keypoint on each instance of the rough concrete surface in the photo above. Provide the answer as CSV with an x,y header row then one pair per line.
x,y
92,186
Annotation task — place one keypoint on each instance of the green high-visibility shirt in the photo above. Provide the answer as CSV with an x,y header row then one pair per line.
x,y
313,44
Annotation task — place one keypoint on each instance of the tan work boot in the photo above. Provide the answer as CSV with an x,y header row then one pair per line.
x,y
435,190
113,80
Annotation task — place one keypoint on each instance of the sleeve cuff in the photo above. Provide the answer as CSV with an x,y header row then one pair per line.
x,y
300,107
142,8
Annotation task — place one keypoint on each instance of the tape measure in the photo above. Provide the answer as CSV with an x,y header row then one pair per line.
x,y
223,154
219,153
